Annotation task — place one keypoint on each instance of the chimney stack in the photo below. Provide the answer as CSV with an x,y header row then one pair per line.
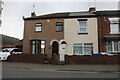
x,y
33,14
92,9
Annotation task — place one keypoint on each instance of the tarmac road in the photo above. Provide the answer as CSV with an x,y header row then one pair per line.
x,y
25,70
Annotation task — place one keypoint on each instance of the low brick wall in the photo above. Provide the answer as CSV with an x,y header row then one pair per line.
x,y
29,58
94,59
55,59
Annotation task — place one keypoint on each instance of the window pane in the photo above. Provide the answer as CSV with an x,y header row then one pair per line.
x,y
83,30
110,47
38,27
116,46
36,47
119,45
58,28
59,24
38,24
33,42
33,49
42,50
78,50
88,50
114,28
42,42
83,26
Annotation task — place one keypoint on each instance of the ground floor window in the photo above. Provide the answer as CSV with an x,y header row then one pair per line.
x,y
83,49
113,46
38,46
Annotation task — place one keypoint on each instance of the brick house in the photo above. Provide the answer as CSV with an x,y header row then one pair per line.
x,y
109,31
71,33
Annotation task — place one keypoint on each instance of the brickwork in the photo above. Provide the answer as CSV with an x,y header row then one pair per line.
x,y
104,30
29,58
94,59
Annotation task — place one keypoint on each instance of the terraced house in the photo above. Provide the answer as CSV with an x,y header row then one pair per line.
x,y
71,33
109,31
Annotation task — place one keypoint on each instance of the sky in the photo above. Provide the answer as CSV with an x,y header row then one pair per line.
x,y
14,10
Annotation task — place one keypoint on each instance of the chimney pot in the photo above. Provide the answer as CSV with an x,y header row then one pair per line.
x,y
33,14
92,9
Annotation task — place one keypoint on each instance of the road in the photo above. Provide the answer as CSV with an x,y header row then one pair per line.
x,y
27,73
29,70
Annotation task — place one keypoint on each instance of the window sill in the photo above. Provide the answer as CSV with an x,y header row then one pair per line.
x,y
114,52
59,31
82,33
37,31
114,33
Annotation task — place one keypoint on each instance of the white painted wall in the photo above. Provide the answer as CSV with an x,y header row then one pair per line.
x,y
71,35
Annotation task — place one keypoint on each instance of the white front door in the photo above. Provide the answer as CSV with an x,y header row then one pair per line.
x,y
63,51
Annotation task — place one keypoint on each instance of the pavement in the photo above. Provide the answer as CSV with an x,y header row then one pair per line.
x,y
62,68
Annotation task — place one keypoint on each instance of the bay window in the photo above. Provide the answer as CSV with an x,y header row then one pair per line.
x,y
113,46
38,47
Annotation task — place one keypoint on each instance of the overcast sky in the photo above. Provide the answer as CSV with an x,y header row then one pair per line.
x,y
13,10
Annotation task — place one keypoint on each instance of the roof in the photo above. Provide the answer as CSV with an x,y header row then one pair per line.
x,y
108,13
76,14
110,38
7,39
63,15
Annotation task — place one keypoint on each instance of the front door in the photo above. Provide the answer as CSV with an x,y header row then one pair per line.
x,y
55,49
63,50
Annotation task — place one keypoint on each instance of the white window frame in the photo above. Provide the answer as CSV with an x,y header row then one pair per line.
x,y
79,26
38,25
113,49
114,21
59,25
83,48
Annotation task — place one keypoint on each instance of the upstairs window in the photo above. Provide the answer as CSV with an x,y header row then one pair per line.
x,y
114,25
59,26
82,26
38,27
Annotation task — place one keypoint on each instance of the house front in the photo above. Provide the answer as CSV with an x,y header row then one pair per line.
x,y
70,33
109,31
42,35
81,34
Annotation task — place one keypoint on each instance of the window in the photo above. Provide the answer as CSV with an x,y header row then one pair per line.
x,y
38,47
114,25
83,26
83,49
113,46
38,27
59,26
114,28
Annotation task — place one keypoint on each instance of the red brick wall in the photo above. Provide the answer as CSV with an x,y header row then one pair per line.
x,y
29,58
96,59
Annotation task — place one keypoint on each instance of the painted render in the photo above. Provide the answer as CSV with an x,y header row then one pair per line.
x,y
71,35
